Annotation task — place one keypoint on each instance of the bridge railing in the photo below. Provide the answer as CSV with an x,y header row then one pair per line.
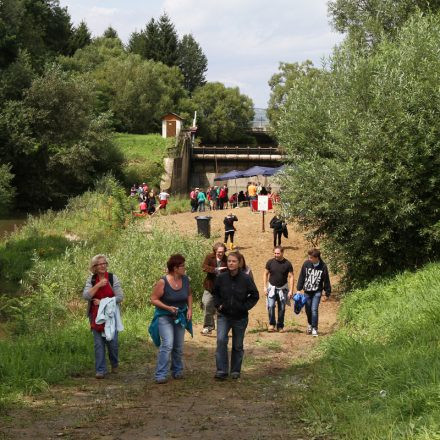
x,y
237,150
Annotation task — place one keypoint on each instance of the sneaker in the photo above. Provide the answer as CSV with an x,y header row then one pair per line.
x,y
178,376
206,331
99,375
235,375
115,370
314,332
161,381
220,376
271,329
309,330
281,330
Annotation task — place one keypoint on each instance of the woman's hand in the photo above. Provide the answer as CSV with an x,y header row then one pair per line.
x,y
102,283
173,310
96,302
189,314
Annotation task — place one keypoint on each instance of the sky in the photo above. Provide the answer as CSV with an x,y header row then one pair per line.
x,y
244,40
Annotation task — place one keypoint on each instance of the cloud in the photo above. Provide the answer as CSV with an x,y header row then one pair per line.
x,y
244,40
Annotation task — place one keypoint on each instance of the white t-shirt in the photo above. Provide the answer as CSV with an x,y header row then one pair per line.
x,y
163,195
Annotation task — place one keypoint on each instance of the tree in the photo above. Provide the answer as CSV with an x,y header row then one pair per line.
x,y
146,43
7,191
282,82
224,114
158,41
110,33
54,141
80,38
41,27
192,63
366,21
140,92
168,41
363,141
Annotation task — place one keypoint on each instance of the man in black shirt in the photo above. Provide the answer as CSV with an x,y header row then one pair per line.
x,y
278,285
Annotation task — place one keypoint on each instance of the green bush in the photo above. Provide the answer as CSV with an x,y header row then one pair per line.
x,y
378,377
362,137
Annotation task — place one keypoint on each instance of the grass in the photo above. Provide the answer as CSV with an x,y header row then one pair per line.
x,y
152,147
144,155
379,375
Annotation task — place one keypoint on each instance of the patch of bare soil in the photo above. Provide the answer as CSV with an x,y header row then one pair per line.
x,y
130,406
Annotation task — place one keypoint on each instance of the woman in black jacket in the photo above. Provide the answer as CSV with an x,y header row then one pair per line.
x,y
234,294
277,225
314,279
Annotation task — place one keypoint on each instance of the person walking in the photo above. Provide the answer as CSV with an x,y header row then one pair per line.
x,y
172,298
313,279
252,193
201,199
235,294
278,285
230,229
102,285
213,198
213,265
277,225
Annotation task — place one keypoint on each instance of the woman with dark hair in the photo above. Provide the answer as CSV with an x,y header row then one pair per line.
x,y
172,298
314,279
235,294
243,266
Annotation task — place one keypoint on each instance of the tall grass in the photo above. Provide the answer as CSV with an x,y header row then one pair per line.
x,y
379,376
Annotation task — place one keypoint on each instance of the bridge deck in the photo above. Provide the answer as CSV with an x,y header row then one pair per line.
x,y
243,152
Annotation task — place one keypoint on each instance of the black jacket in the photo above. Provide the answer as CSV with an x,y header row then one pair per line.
x,y
276,224
235,294
314,279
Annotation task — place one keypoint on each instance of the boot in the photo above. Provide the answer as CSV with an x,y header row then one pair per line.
x,y
231,246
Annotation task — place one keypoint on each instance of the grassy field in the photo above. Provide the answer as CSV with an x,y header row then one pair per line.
x,y
143,146
379,375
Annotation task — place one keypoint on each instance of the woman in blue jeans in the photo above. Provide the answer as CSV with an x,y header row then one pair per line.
x,y
172,298
234,294
313,279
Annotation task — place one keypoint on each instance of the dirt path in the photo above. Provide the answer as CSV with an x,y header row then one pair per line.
x,y
131,406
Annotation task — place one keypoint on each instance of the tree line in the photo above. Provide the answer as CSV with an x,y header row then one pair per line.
x,y
63,93
362,137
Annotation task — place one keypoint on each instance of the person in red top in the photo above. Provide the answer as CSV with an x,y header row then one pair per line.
x,y
102,284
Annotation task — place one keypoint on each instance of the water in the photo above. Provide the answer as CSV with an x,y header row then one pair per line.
x,y
10,225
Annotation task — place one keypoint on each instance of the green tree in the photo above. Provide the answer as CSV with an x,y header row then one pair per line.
x,y
282,82
110,32
41,27
146,43
54,142
223,113
366,21
158,41
80,38
363,141
7,191
192,63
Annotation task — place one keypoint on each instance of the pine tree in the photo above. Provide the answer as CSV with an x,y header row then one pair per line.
x,y
110,33
192,63
168,41
81,37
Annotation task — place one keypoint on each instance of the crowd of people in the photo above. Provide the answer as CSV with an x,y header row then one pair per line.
x,y
229,293
148,198
219,197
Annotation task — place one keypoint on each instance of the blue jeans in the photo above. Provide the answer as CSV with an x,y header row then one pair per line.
x,y
172,336
201,206
271,303
312,304
224,325
112,347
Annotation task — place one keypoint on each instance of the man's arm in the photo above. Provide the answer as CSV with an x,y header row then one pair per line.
x,y
265,280
291,282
